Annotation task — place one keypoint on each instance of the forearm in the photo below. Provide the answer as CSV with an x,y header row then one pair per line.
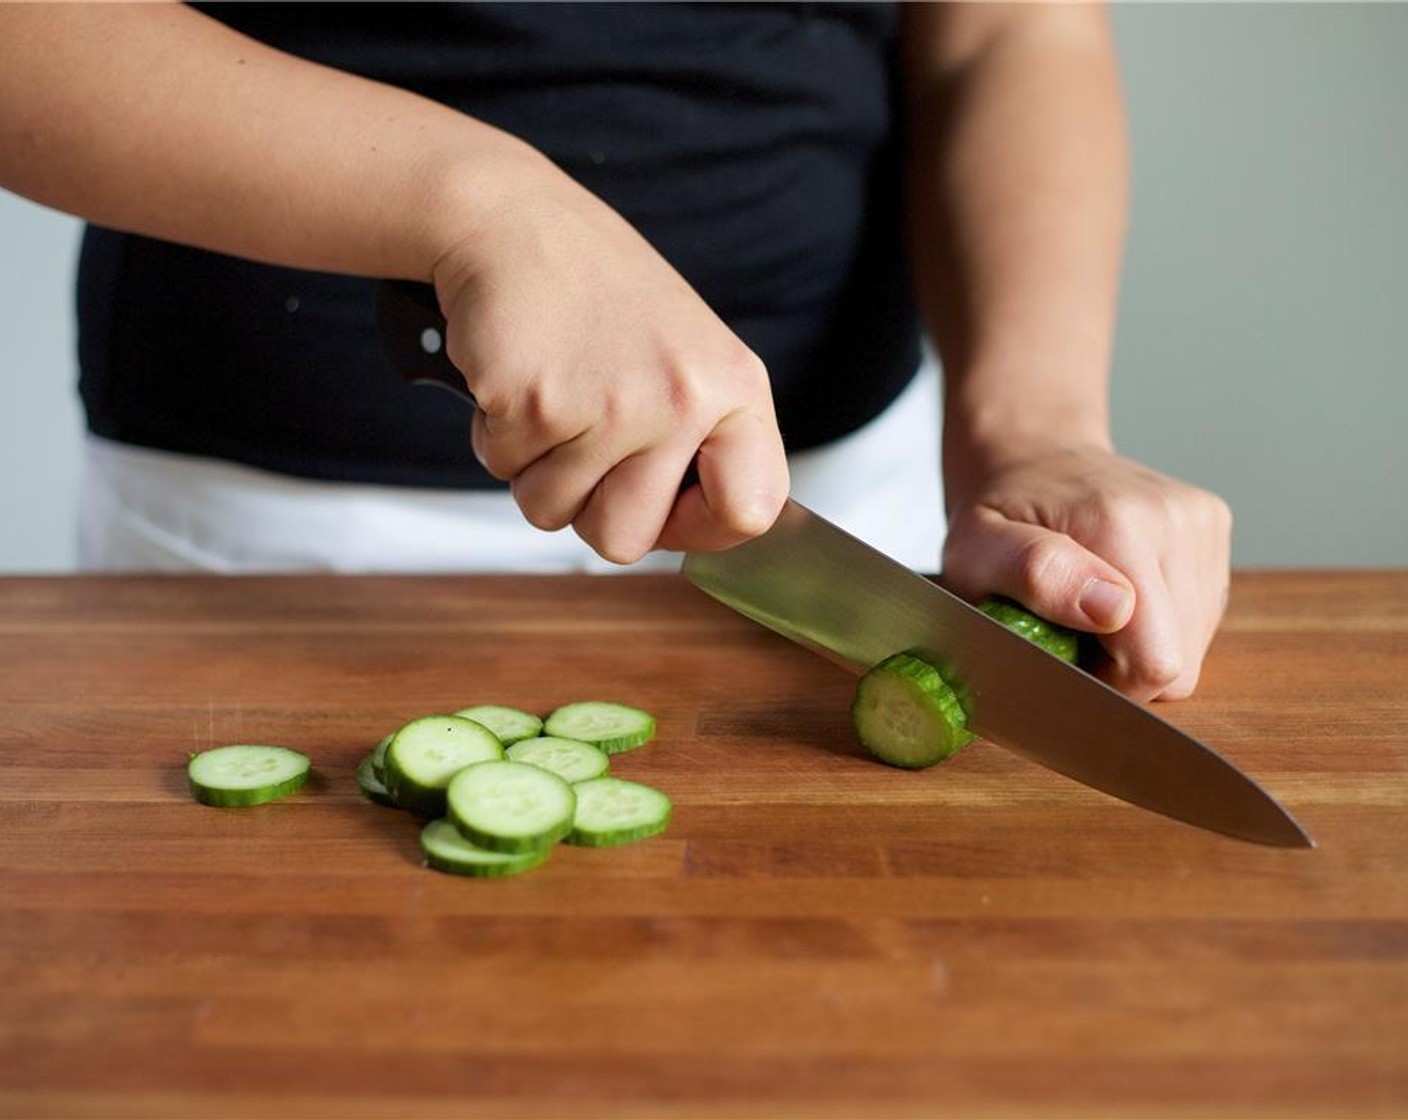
x,y
1018,198
156,119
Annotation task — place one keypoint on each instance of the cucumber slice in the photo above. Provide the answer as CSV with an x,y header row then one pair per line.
x,y
614,811
605,725
567,758
371,786
907,715
425,754
1057,640
378,758
246,774
510,806
508,724
446,850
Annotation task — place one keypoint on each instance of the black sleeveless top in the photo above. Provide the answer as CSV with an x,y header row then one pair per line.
x,y
755,145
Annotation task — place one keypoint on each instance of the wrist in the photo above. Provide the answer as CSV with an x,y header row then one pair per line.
x,y
1021,420
467,193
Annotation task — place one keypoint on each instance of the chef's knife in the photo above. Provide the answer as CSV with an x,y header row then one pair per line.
x,y
814,583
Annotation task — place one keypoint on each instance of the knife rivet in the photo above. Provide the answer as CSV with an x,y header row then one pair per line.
x,y
430,340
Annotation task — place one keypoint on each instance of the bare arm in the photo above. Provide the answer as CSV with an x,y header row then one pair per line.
x,y
154,118
599,372
1018,200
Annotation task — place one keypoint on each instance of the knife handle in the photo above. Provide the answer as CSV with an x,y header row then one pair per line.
x,y
413,333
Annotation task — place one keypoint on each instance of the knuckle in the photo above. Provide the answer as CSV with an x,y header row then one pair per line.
x,y
1156,670
1039,562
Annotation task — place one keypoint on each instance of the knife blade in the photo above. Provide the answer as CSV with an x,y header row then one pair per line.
x,y
814,583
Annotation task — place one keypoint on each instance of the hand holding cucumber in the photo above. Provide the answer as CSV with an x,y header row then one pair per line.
x,y
1093,541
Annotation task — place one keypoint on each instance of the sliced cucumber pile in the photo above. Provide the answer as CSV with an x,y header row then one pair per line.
x,y
244,774
911,714
500,804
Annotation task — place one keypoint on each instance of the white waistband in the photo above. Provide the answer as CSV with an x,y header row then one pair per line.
x,y
145,510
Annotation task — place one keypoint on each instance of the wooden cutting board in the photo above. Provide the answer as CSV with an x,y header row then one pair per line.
x,y
816,934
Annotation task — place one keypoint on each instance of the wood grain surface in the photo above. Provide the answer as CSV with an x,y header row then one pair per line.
x,y
816,934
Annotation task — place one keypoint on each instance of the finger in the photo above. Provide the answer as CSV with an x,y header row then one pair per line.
x,y
552,490
1048,572
623,517
1147,655
743,483
506,447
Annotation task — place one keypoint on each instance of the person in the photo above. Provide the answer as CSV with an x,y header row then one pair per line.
x,y
661,235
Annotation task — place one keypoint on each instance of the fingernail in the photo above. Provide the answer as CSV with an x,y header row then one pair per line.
x,y
1106,604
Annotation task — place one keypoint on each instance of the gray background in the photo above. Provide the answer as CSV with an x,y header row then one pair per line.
x,y
1263,336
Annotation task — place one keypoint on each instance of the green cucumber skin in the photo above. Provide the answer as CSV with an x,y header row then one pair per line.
x,y
511,845
372,788
535,859
583,838
423,801
242,798
378,758
1057,640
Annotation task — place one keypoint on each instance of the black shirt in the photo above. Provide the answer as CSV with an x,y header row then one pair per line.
x,y
755,145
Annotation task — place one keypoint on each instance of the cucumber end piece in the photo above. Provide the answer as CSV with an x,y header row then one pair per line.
x,y
907,715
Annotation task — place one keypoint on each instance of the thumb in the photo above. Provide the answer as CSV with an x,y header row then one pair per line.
x,y
1046,571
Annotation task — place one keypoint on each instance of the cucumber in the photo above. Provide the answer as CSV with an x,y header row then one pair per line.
x,y
608,726
446,850
424,755
246,774
908,715
1057,640
614,811
510,806
567,758
378,757
509,725
371,786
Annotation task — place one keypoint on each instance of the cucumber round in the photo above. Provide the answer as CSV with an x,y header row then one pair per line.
x,y
608,726
509,725
371,786
246,774
510,806
447,850
1058,640
425,754
907,715
567,758
614,811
